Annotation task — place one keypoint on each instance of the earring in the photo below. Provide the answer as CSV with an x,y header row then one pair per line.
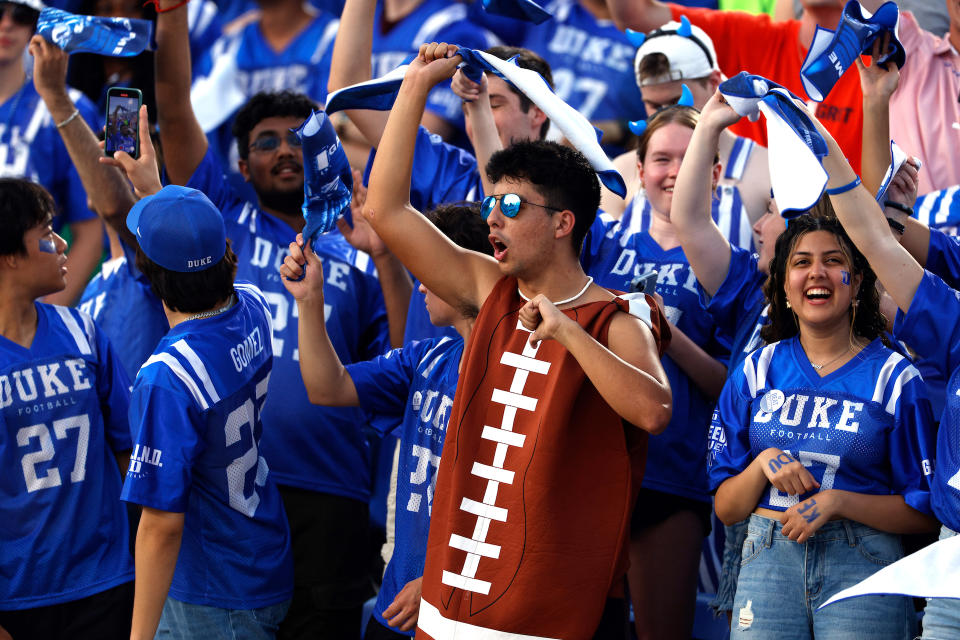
x,y
788,304
855,303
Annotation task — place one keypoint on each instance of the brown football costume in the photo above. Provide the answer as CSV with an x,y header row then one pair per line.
x,y
536,485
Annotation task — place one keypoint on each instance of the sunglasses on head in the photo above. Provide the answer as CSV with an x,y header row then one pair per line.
x,y
19,13
271,143
509,205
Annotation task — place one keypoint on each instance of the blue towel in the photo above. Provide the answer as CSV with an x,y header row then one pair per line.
x,y
377,94
795,147
518,9
120,37
832,53
327,180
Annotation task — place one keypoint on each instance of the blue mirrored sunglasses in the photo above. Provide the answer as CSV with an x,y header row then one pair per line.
x,y
271,143
509,205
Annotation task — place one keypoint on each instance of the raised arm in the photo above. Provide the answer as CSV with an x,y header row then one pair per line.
x,y
350,63
324,376
865,223
182,137
639,15
703,243
460,277
483,130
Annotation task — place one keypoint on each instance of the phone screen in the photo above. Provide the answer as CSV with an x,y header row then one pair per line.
x,y
123,108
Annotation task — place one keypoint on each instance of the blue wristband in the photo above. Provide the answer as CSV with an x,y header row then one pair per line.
x,y
853,184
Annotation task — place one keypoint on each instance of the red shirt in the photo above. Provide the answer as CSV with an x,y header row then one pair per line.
x,y
531,516
758,45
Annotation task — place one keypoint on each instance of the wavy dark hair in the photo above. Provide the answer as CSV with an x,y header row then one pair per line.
x,y
867,320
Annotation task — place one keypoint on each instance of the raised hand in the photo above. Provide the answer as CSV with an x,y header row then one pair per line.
x,y
49,67
786,473
434,63
304,284
465,88
142,172
904,185
718,113
878,81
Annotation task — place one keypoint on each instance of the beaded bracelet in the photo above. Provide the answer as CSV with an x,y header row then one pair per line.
x,y
847,187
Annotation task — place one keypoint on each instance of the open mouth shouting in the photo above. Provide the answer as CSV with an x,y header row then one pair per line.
x,y
499,248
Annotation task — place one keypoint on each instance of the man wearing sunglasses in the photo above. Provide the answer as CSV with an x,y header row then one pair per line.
x,y
559,388
31,148
318,456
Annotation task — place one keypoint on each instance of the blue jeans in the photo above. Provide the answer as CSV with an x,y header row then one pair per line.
x,y
734,536
783,582
941,618
185,621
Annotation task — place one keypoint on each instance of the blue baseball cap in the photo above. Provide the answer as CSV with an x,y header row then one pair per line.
x,y
179,229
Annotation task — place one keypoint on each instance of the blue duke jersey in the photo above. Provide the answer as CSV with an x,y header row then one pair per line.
x,y
430,21
865,428
196,412
591,61
119,298
63,417
311,447
727,209
676,460
31,147
415,384
932,327
738,306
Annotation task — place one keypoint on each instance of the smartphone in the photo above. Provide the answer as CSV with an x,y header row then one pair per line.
x,y
645,283
123,121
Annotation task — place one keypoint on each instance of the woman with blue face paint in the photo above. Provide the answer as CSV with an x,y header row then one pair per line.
x,y
821,439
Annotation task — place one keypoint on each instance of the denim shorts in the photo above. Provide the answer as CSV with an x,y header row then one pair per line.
x,y
941,618
185,621
782,583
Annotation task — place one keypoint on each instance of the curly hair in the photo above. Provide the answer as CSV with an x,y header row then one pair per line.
x,y
867,320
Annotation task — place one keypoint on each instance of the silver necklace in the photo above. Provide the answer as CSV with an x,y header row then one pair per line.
x,y
817,367
560,302
215,312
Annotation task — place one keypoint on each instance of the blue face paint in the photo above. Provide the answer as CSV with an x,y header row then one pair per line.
x,y
845,277
47,245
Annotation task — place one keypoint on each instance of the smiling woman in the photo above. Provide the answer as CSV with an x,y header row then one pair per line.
x,y
824,431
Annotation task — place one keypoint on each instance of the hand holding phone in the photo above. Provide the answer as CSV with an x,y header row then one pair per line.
x,y
122,118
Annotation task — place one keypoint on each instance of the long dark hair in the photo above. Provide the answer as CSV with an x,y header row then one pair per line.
x,y
868,322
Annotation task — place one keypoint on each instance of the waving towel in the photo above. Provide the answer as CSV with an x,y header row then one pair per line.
x,y
378,94
575,128
120,37
327,181
832,53
216,97
928,573
796,148
519,9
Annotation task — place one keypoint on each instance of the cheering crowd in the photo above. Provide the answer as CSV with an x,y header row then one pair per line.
x,y
489,319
